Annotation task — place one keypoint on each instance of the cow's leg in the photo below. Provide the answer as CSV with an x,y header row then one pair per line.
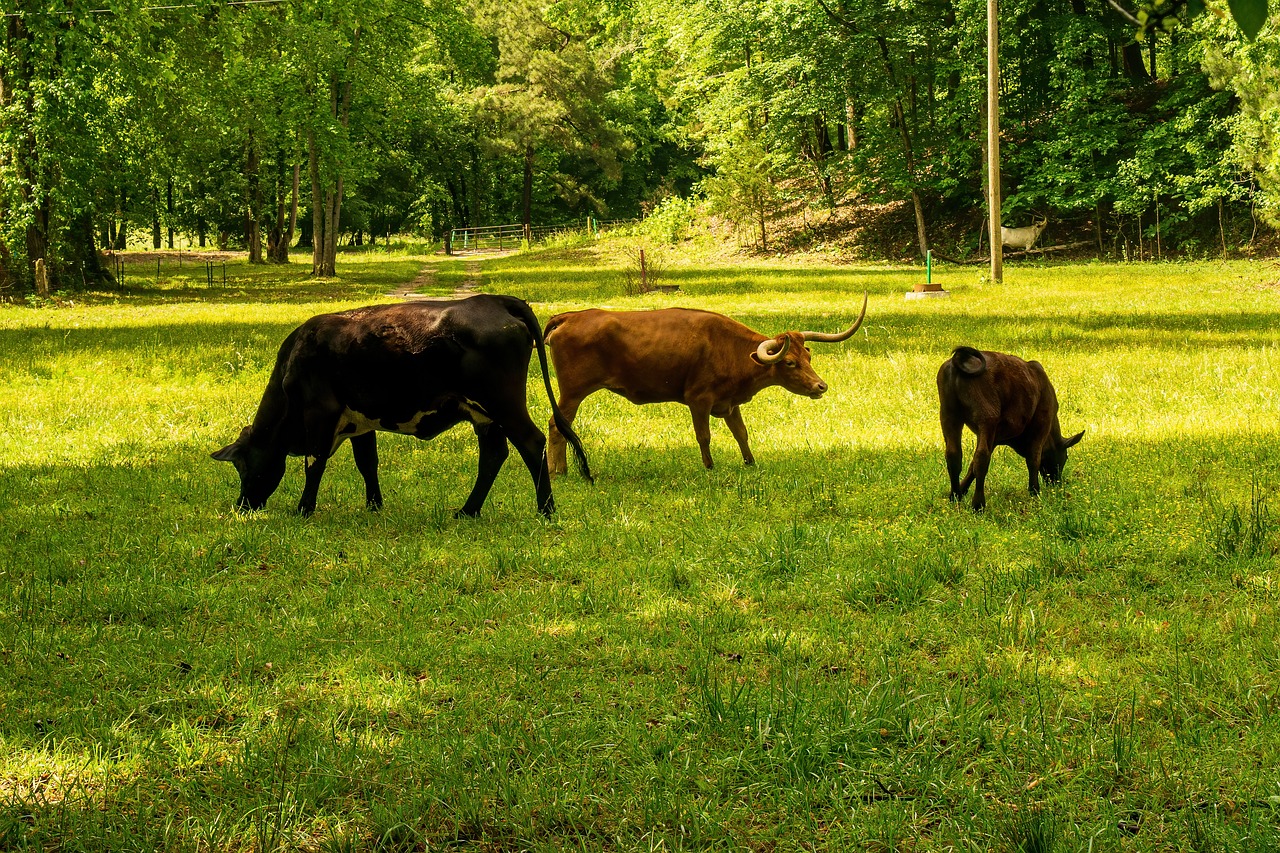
x,y
532,445
320,424
557,453
315,470
1033,470
978,470
493,452
702,430
953,438
739,430
364,448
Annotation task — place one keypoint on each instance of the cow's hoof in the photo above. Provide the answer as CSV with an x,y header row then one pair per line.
x,y
374,505
466,513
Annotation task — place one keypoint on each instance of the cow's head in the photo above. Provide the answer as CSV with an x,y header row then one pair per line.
x,y
789,356
260,469
1053,458
788,359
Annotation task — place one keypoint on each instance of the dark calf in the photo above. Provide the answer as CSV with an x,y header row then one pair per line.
x,y
1004,400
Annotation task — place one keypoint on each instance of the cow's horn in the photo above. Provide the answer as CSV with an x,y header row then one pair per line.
x,y
825,338
767,357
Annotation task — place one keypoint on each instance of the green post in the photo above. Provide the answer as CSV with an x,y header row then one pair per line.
x,y
928,266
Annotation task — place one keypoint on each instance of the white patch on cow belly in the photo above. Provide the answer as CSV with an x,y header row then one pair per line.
x,y
410,427
475,411
350,417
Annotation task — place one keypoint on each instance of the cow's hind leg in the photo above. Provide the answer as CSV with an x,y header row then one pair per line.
x,y
953,437
532,446
978,470
557,452
364,448
702,430
493,452
739,430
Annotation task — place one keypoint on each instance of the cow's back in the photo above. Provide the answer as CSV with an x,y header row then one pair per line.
x,y
647,356
403,358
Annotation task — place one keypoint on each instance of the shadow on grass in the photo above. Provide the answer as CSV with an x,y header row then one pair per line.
x,y
23,349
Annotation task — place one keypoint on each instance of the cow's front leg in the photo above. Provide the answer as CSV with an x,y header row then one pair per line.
x,y
364,448
320,426
739,430
314,470
493,452
1033,470
702,430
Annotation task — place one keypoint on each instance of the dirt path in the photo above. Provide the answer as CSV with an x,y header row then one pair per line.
x,y
427,277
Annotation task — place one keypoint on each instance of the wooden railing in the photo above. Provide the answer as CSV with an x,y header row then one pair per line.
x,y
497,238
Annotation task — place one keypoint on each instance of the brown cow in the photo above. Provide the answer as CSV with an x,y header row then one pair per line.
x,y
707,361
1004,400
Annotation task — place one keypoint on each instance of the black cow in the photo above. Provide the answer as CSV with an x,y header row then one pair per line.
x,y
412,368
1004,400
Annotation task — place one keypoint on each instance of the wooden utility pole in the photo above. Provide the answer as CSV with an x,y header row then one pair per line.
x,y
993,144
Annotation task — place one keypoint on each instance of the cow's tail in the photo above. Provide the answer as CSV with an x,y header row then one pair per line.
x,y
526,315
968,361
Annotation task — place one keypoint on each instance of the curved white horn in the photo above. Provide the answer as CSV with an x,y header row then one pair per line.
x,y
763,351
825,338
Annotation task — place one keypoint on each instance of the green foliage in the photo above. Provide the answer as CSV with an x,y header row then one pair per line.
x,y
670,220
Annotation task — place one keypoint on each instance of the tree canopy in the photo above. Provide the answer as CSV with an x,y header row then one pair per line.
x,y
264,124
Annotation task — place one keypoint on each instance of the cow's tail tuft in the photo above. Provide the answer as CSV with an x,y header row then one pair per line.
x,y
968,361
525,313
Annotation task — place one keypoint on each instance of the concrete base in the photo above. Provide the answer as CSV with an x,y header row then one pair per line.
x,y
926,294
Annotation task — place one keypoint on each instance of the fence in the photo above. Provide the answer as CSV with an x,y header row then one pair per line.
x,y
496,238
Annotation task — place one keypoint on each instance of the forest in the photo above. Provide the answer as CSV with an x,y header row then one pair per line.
x,y
279,126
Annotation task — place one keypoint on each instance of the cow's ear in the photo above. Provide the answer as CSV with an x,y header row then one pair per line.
x,y
228,453
1073,441
235,449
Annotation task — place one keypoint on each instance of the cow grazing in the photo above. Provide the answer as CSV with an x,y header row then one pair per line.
x,y
1023,238
1004,400
708,362
413,368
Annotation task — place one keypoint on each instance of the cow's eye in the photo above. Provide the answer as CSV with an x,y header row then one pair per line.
x,y
791,362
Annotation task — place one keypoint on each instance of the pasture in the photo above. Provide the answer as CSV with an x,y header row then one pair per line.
x,y
817,653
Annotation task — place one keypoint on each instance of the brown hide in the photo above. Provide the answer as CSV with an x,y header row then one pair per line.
x,y
1004,401
704,360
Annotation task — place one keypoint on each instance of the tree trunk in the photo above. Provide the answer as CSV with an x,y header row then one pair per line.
x,y
83,254
526,195
168,207
6,263
921,237
317,210
253,201
156,241
278,239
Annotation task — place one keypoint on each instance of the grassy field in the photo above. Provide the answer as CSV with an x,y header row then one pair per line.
x,y
817,653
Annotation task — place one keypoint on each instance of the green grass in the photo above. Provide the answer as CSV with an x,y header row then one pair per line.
x,y
816,653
